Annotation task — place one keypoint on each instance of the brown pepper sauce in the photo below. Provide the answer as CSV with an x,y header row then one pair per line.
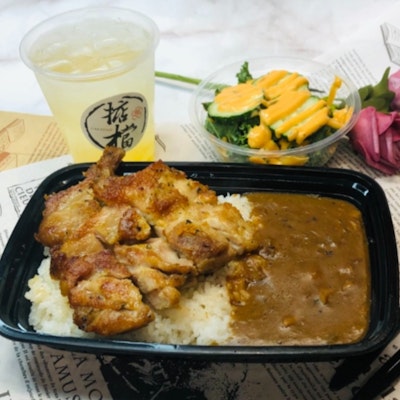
x,y
310,283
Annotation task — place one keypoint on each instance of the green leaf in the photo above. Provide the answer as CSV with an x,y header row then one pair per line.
x,y
380,103
378,96
244,74
365,92
231,130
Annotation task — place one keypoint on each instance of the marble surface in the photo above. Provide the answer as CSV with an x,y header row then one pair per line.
x,y
195,38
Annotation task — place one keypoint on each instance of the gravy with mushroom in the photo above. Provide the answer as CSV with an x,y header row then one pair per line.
x,y
310,283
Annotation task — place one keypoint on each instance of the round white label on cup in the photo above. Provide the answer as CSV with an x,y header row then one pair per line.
x,y
116,121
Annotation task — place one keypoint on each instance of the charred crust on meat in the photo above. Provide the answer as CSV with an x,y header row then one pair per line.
x,y
124,246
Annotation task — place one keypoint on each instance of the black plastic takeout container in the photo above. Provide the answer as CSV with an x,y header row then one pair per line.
x,y
23,255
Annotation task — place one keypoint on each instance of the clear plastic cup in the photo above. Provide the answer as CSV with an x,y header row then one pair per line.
x,y
95,67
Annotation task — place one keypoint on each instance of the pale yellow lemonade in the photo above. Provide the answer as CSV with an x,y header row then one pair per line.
x,y
85,69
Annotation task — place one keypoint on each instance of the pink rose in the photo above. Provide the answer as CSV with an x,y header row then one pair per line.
x,y
394,86
376,137
376,134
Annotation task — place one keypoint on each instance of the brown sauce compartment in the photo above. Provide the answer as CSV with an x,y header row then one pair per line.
x,y
310,282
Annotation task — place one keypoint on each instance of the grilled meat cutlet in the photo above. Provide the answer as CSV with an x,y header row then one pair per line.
x,y
123,246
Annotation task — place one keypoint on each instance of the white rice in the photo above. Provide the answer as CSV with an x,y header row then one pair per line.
x,y
202,317
50,310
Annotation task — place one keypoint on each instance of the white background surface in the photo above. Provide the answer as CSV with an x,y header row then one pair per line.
x,y
196,37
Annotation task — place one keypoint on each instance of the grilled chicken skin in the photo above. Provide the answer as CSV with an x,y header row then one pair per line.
x,y
123,246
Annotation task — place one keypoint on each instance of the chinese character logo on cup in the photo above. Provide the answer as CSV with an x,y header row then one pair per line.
x,y
116,121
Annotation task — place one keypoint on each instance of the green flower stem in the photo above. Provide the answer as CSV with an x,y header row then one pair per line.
x,y
175,77
187,79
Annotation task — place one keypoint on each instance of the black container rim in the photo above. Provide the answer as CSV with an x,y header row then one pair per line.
x,y
356,187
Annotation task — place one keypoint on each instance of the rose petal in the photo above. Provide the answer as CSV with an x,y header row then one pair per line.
x,y
394,86
365,134
385,120
386,143
381,165
396,128
391,148
376,137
